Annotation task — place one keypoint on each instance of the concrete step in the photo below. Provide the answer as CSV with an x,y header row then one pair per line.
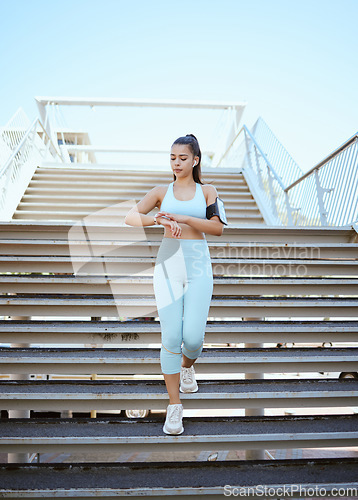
x,y
146,360
74,207
140,181
182,480
110,266
54,230
131,190
78,395
133,174
134,306
141,332
55,212
237,200
128,178
88,181
75,245
244,218
143,285
108,435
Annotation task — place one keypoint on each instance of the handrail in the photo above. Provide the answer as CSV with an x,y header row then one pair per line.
x,y
268,163
332,155
174,103
18,148
47,104
18,169
286,193
21,145
338,179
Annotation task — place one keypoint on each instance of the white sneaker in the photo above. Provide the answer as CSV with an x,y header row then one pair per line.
x,y
187,380
173,422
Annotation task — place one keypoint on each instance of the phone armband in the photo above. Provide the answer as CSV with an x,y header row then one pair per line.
x,y
218,209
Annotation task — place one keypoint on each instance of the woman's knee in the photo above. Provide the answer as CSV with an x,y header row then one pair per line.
x,y
193,336
191,350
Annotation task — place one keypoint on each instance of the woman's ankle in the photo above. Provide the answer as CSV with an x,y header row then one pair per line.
x,y
175,402
185,361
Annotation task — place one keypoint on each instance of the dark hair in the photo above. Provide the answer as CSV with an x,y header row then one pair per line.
x,y
191,141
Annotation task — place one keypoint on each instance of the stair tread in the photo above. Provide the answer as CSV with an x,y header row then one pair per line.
x,y
259,280
99,170
211,244
209,355
188,477
228,301
344,231
130,326
215,260
107,214
196,428
156,389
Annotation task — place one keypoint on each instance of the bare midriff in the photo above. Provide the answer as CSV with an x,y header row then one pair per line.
x,y
187,233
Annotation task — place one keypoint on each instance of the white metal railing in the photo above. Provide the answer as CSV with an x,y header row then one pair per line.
x,y
14,130
328,193
226,129
295,198
26,150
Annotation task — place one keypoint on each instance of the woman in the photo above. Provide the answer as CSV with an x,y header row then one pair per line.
x,y
183,279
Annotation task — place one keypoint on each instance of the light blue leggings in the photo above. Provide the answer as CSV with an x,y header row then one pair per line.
x,y
183,287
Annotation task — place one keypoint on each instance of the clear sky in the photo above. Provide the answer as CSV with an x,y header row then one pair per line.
x,y
294,62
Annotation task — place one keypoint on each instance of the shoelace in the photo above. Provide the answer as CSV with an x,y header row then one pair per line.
x,y
187,375
174,415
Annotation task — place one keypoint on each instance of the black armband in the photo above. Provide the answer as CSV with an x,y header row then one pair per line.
x,y
218,209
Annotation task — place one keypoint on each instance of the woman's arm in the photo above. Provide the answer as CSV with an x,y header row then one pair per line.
x,y
211,226
137,215
134,218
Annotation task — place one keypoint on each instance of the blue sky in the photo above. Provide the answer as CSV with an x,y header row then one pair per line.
x,y
294,62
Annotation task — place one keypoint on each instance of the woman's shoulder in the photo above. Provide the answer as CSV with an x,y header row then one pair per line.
x,y
160,191
209,188
210,192
159,188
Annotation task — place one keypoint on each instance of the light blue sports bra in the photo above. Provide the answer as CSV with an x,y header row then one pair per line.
x,y
196,207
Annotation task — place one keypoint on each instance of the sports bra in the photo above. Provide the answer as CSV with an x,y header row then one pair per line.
x,y
196,207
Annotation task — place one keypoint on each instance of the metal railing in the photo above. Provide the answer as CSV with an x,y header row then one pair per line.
x,y
50,109
29,149
291,196
14,131
327,194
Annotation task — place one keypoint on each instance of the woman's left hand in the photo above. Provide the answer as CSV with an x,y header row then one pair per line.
x,y
176,217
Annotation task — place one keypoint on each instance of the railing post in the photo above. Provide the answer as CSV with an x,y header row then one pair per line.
x,y
272,192
259,176
320,191
289,209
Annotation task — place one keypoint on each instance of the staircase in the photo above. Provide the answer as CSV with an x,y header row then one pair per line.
x,y
82,280
70,194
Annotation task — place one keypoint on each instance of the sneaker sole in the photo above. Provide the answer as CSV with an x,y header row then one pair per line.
x,y
188,392
173,433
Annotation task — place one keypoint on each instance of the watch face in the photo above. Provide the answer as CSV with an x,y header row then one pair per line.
x,y
221,208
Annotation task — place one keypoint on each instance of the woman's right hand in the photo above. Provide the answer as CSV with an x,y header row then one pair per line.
x,y
172,225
